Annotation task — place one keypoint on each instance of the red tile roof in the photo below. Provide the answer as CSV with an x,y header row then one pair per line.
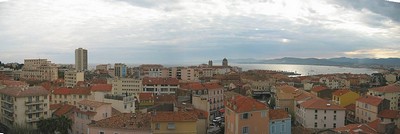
x,y
165,99
318,103
91,103
174,116
90,113
67,91
341,92
146,96
212,86
355,129
276,114
391,114
387,89
193,86
125,121
287,89
372,100
55,106
25,91
201,114
318,88
374,124
13,83
160,81
241,104
64,109
101,87
350,107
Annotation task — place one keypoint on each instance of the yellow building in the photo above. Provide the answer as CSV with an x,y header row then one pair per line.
x,y
344,97
174,123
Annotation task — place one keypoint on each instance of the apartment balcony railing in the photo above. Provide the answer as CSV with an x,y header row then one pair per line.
x,y
32,119
9,109
34,102
10,118
30,111
8,101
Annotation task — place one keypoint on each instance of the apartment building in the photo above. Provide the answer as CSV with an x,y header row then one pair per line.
x,y
122,103
280,122
246,116
368,107
126,123
81,59
39,69
24,105
285,98
72,77
389,92
179,122
160,85
103,66
120,70
123,86
319,114
87,112
322,92
344,97
69,95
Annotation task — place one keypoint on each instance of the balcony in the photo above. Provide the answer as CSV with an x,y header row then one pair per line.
x,y
31,111
8,101
10,118
9,109
35,119
34,102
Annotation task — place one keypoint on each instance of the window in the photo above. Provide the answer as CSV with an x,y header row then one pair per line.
x,y
316,111
171,126
315,125
334,125
283,128
324,125
334,112
324,117
315,116
273,129
334,117
245,115
324,111
245,130
263,114
101,132
286,109
157,126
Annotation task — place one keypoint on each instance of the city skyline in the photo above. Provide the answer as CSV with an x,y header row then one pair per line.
x,y
175,31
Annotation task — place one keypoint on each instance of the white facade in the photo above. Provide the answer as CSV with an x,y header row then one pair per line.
x,y
126,85
320,118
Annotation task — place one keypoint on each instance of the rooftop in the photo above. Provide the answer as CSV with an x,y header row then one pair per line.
x,y
372,100
241,104
387,89
159,81
340,92
318,88
25,91
391,114
91,103
67,91
355,129
125,121
146,96
193,86
276,114
101,87
318,103
350,107
65,108
174,116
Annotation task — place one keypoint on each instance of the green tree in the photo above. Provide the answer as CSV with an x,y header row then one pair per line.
x,y
59,124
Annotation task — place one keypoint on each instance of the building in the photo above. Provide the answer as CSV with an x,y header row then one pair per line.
x,y
87,112
120,70
350,113
159,85
39,70
179,122
123,86
24,106
390,116
72,77
285,98
246,116
322,92
103,67
122,103
368,108
344,97
280,122
225,62
389,92
81,59
318,114
126,123
69,95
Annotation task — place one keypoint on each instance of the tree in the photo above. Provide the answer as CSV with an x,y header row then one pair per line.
x,y
59,124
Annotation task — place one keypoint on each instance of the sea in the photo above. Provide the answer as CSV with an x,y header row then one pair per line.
x,y
306,70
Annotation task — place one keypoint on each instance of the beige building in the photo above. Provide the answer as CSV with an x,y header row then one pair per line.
x,y
39,69
103,67
72,77
368,108
174,123
81,59
87,112
160,85
24,105
69,95
121,86
389,92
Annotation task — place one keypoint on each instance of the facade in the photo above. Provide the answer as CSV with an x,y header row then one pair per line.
x,y
160,85
87,112
389,92
280,122
322,92
69,96
126,123
368,108
71,78
179,122
285,98
81,59
24,106
39,70
122,103
319,114
350,113
224,62
103,67
123,86
246,116
390,116
120,70
344,97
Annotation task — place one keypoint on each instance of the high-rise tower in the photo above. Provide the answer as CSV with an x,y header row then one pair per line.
x,y
81,59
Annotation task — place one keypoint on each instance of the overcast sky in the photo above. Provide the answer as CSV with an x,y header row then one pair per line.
x,y
183,31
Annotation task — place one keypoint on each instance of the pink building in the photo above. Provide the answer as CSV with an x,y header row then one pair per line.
x,y
87,112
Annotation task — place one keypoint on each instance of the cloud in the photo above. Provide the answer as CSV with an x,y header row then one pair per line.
x,y
374,53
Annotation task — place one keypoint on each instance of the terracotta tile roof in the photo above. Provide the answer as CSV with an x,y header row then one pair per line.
x,y
304,96
193,86
159,81
173,116
387,89
91,103
146,96
115,111
374,124
350,107
67,91
101,87
212,86
241,104
64,109
13,83
340,92
318,103
318,88
391,114
24,91
55,106
372,100
287,89
125,121
355,129
275,114
165,99
201,114
90,113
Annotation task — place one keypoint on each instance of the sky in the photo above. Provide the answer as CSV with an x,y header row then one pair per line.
x,y
195,31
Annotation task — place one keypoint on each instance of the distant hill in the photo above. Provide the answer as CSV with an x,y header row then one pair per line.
x,y
342,61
